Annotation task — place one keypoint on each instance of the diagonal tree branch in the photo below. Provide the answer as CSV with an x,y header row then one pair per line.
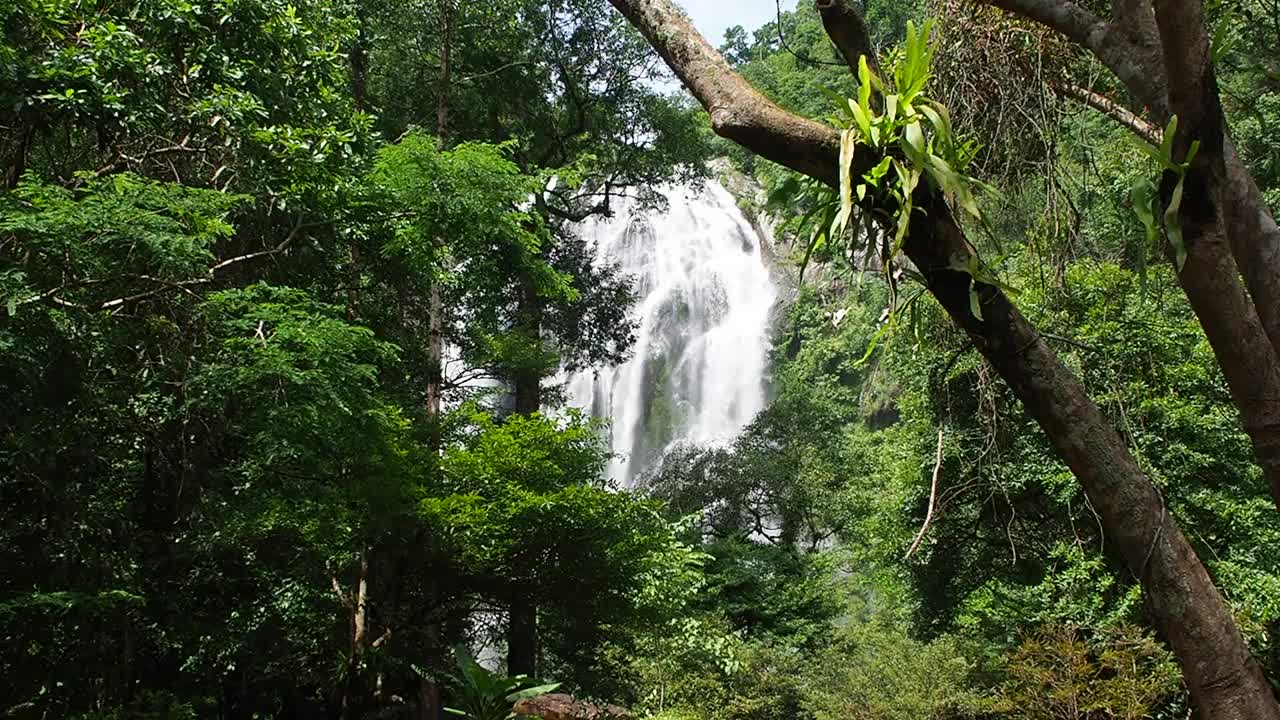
x,y
162,286
1224,679
1161,52
933,497
1110,108
738,111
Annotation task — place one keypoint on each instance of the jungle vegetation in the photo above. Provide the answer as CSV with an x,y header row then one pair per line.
x,y
285,288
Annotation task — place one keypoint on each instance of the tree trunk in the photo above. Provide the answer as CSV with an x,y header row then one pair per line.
x,y
1161,52
522,636
428,700
1255,242
1210,277
359,59
352,694
527,380
1224,679
522,626
1193,96
435,329
446,10
1230,320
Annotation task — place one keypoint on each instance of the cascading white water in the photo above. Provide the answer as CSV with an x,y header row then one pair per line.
x,y
705,296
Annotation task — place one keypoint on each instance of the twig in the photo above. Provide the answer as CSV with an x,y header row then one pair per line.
x,y
495,71
933,495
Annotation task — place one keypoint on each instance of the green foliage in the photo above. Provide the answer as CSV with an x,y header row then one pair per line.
x,y
1144,193
913,136
1060,672
217,282
117,234
874,670
484,695
222,246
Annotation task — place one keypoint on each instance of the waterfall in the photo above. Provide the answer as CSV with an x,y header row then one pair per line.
x,y
704,301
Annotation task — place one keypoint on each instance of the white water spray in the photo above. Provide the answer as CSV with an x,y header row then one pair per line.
x,y
705,296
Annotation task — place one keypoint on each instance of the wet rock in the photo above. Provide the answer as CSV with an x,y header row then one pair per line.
x,y
558,706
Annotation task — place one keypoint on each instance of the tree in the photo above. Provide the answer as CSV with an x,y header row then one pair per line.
x,y
1218,224
216,287
1224,679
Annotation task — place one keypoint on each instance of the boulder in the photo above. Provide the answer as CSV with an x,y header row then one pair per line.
x,y
558,706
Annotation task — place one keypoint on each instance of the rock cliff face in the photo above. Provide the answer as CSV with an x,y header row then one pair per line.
x,y
558,706
751,200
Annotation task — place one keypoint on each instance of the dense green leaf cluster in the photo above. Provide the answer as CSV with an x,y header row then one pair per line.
x,y
232,271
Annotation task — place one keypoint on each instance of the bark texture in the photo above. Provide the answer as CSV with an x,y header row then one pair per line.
x,y
1224,679
1161,52
848,31
1231,320
522,636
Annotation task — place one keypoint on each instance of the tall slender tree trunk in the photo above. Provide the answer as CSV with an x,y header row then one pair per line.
x,y
353,690
359,59
429,696
429,701
1255,242
435,324
1211,279
1225,681
522,635
522,625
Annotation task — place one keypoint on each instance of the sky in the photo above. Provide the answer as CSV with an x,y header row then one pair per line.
x,y
713,17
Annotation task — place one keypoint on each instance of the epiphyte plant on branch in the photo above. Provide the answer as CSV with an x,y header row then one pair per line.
x,y
912,134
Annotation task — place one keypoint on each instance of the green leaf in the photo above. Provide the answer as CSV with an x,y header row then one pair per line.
x,y
876,338
913,136
941,121
1191,154
875,174
1173,227
864,78
1166,142
1143,198
863,121
975,304
532,692
847,144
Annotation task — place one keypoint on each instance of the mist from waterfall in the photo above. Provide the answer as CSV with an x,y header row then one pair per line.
x,y
705,295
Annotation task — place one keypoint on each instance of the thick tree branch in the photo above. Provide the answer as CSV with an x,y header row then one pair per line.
x,y
738,111
1138,21
1137,67
1231,319
847,28
162,285
1162,53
